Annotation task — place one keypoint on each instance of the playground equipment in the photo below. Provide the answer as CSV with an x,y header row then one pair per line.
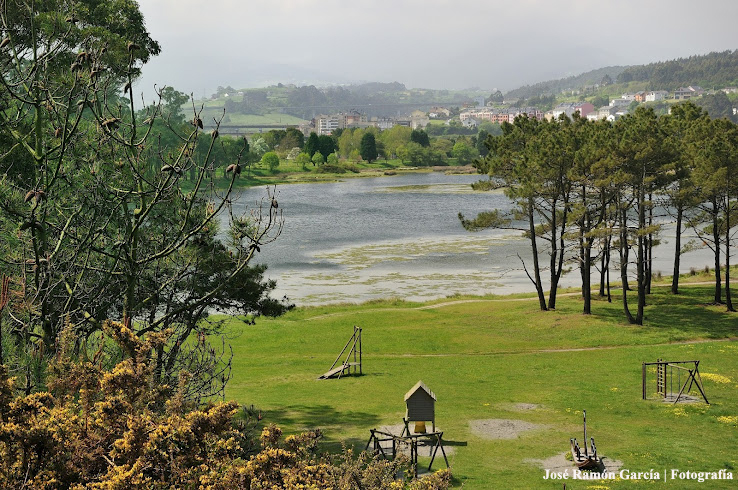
x,y
665,379
420,402
345,367
379,439
589,460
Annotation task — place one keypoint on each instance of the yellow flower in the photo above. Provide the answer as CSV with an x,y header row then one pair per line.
x,y
717,378
728,419
679,412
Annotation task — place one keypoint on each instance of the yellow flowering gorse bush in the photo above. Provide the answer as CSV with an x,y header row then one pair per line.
x,y
115,429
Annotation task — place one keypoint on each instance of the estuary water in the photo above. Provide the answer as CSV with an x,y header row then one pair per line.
x,y
399,236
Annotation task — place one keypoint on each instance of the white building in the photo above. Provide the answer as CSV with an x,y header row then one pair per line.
x,y
655,95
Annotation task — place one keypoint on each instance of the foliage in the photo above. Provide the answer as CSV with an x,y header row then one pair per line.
x,y
368,147
464,153
95,223
326,145
332,159
553,87
393,138
420,137
312,144
271,160
420,156
713,69
717,105
496,97
302,160
283,140
118,428
318,158
583,189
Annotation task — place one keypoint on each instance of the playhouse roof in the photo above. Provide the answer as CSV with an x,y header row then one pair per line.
x,y
418,386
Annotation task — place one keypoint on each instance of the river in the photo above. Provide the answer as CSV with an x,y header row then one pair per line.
x,y
400,237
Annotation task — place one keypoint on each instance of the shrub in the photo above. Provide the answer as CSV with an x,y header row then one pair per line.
x,y
351,167
117,428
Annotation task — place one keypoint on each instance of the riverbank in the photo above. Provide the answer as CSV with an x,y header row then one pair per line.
x,y
289,173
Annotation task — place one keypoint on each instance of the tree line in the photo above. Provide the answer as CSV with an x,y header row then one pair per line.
x,y
594,194
710,70
345,147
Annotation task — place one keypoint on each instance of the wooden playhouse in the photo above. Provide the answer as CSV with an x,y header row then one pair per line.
x,y
420,402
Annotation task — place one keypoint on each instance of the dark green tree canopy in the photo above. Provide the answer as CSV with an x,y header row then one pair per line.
x,y
420,137
312,144
368,147
326,145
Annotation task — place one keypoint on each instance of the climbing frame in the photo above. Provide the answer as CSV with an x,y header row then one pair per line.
x,y
337,370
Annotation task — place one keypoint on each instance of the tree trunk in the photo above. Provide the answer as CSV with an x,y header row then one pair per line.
x,y
557,259
728,300
553,259
649,247
602,269
536,265
624,264
585,251
607,270
716,239
677,251
641,259
586,283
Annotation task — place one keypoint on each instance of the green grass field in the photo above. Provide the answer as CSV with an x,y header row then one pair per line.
x,y
482,356
214,109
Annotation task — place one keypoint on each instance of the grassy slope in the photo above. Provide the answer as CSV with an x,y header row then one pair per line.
x,y
480,357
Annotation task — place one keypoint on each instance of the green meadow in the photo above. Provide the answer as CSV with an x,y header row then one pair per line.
x,y
483,357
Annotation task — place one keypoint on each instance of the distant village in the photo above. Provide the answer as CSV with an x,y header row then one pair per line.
x,y
474,114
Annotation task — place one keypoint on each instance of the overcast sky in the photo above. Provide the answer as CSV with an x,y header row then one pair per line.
x,y
422,43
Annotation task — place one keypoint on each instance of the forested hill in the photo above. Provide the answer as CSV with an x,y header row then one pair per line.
x,y
713,70
710,70
372,99
553,87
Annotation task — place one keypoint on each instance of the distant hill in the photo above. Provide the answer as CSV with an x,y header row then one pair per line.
x,y
554,87
306,101
713,70
717,69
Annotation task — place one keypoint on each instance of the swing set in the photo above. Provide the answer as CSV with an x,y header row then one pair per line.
x,y
665,370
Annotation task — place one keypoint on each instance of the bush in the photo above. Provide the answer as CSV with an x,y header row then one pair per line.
x,y
117,428
351,167
271,160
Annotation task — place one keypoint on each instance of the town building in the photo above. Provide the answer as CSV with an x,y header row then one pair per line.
x,y
569,108
683,93
655,95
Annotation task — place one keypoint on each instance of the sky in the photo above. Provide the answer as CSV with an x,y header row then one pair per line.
x,y
452,44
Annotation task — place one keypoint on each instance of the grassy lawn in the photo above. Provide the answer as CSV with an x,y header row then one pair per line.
x,y
481,356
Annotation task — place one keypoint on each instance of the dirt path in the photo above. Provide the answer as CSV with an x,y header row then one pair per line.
x,y
551,351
